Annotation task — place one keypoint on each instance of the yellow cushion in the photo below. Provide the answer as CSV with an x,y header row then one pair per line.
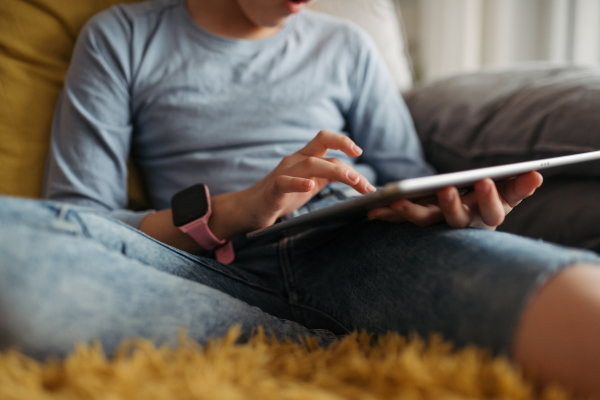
x,y
36,41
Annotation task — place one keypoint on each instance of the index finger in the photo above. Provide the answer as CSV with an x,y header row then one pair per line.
x,y
326,140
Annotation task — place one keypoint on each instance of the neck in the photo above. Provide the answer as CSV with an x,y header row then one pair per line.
x,y
226,18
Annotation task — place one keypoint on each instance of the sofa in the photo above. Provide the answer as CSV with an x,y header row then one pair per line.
x,y
465,121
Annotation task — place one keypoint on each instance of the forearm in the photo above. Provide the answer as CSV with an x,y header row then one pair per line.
x,y
225,222
291,184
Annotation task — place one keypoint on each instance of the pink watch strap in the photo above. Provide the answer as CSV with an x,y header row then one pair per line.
x,y
225,254
200,232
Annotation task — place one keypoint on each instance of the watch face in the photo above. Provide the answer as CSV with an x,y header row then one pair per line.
x,y
189,205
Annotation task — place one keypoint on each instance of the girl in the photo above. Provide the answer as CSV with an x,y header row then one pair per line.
x,y
275,110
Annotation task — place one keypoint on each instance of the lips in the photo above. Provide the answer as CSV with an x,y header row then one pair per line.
x,y
295,6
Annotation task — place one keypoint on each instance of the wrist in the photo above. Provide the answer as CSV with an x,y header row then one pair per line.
x,y
159,225
228,215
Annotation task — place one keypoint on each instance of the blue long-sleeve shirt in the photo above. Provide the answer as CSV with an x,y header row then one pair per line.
x,y
194,107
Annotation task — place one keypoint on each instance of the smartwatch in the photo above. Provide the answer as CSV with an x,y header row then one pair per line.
x,y
191,212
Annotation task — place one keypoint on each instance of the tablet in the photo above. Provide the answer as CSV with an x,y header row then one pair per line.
x,y
413,189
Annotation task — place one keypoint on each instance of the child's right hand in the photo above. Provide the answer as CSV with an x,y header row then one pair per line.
x,y
299,177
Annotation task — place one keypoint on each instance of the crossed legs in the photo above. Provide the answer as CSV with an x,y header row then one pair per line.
x,y
556,337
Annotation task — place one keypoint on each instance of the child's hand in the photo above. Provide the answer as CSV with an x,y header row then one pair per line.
x,y
290,185
300,176
485,207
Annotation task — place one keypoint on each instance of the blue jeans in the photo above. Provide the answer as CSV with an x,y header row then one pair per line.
x,y
69,274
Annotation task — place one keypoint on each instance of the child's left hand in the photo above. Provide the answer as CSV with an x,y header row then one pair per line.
x,y
485,207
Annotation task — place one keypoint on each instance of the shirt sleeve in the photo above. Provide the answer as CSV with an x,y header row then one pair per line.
x,y
379,120
92,128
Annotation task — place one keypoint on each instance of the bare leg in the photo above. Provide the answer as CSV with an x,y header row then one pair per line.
x,y
558,338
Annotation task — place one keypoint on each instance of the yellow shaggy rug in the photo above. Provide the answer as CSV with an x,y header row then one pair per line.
x,y
353,368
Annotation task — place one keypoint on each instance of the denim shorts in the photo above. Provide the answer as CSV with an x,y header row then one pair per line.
x,y
69,274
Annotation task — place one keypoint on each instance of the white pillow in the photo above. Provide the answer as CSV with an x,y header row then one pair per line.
x,y
380,18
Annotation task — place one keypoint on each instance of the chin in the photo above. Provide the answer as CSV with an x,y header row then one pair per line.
x,y
276,14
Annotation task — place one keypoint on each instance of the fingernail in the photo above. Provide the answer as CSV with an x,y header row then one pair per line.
x,y
370,188
352,175
356,149
306,183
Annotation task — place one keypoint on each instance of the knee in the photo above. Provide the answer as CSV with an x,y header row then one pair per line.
x,y
572,296
557,336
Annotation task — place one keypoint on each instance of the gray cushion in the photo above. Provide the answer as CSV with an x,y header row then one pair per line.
x,y
503,116
563,210
497,117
